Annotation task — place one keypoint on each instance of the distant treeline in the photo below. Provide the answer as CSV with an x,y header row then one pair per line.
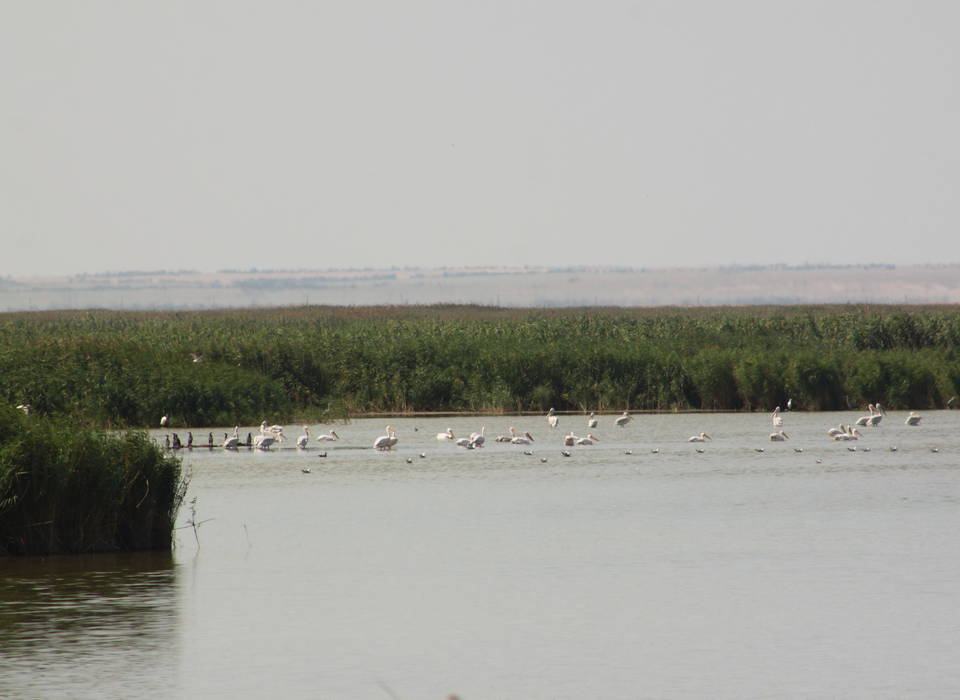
x,y
315,363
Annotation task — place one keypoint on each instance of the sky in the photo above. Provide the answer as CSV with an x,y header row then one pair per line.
x,y
230,134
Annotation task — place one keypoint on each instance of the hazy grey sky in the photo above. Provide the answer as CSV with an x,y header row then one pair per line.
x,y
191,134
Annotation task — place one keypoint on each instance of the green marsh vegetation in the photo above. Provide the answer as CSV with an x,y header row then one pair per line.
x,y
118,369
69,490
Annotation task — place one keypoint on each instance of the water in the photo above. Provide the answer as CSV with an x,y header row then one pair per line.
x,y
489,573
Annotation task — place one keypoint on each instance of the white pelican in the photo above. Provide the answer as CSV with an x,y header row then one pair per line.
x,y
776,417
524,439
623,419
875,418
592,420
232,442
833,432
303,439
447,435
328,437
778,436
264,441
477,439
570,439
863,420
552,418
851,434
464,442
589,440
913,419
702,437
386,442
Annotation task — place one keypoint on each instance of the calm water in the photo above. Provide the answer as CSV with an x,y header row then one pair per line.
x,y
490,573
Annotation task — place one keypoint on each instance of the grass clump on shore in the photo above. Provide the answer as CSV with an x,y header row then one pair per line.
x,y
65,490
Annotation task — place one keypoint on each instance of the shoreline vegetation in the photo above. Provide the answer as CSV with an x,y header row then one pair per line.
x,y
68,377
126,369
65,490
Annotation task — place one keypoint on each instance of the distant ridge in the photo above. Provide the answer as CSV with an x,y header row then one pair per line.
x,y
527,286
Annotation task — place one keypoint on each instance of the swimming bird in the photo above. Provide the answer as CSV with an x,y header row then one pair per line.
x,y
552,418
592,420
874,420
778,436
565,453
913,418
447,435
303,439
758,449
305,470
477,439
328,437
386,442
570,439
655,450
623,419
863,420
517,439
702,437
589,440
776,417
464,442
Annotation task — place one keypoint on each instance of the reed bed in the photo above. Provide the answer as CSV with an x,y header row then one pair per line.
x,y
117,369
65,490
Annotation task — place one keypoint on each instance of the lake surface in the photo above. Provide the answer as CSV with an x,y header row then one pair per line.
x,y
491,573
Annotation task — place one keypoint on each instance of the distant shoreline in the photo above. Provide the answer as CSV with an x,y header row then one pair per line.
x,y
511,287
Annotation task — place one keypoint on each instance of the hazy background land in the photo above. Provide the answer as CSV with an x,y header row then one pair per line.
x,y
494,286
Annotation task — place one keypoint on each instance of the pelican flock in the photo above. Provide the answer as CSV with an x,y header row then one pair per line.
x,y
270,436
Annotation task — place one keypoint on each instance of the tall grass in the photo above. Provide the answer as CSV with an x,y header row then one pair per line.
x,y
66,490
129,368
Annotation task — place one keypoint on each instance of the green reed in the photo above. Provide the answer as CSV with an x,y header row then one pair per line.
x,y
66,490
109,368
